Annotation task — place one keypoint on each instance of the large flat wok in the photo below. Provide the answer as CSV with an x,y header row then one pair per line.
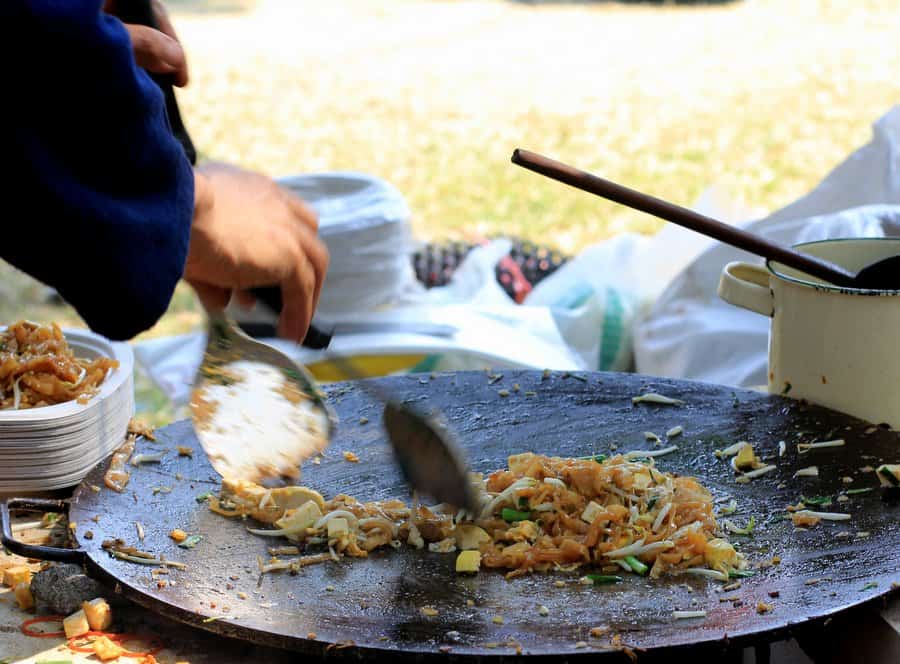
x,y
372,607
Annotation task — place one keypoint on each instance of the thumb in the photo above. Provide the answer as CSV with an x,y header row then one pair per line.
x,y
155,51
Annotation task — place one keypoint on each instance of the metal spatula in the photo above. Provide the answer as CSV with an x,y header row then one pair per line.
x,y
257,414
429,457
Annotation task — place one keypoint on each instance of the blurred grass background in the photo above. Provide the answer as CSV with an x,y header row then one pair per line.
x,y
760,98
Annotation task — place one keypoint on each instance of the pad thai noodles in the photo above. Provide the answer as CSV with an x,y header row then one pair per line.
x,y
37,368
540,514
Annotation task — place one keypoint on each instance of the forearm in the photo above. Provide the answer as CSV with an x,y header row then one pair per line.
x,y
107,192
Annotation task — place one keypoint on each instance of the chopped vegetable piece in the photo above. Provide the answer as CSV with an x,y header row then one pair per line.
x,y
497,620
653,397
762,607
337,527
675,431
351,457
652,437
203,497
818,501
740,573
782,448
138,459
811,471
601,579
747,530
803,448
503,393
753,474
543,610
731,450
730,508
428,611
640,455
889,474
178,535
684,615
190,542
636,565
468,562
511,515
185,451
810,518
869,586
854,492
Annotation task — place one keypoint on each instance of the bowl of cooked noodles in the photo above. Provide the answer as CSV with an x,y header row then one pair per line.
x,y
66,397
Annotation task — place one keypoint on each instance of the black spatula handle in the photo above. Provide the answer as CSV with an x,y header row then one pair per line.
x,y
270,296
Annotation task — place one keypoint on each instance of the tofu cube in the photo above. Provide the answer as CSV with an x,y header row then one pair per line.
x,y
337,527
591,511
468,562
98,613
470,538
745,457
24,596
76,624
13,576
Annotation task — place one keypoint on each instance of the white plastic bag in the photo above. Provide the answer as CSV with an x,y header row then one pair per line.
x,y
691,333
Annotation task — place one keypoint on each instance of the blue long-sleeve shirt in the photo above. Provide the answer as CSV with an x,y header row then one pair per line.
x,y
98,196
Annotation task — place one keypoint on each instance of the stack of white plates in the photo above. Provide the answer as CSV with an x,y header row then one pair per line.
x,y
365,222
54,447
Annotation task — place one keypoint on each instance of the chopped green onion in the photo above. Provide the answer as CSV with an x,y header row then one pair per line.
x,y
853,492
523,503
511,515
203,497
886,472
190,542
747,530
652,502
653,397
740,573
730,508
823,501
604,578
636,565
869,586
599,458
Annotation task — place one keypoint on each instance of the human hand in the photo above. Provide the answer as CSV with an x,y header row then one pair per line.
x,y
249,232
157,51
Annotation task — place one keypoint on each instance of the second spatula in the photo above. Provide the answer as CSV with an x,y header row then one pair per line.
x,y
881,275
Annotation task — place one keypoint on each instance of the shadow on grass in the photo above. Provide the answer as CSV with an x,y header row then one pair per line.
x,y
211,6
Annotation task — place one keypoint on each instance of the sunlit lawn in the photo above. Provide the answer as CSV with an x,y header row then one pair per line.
x,y
760,98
